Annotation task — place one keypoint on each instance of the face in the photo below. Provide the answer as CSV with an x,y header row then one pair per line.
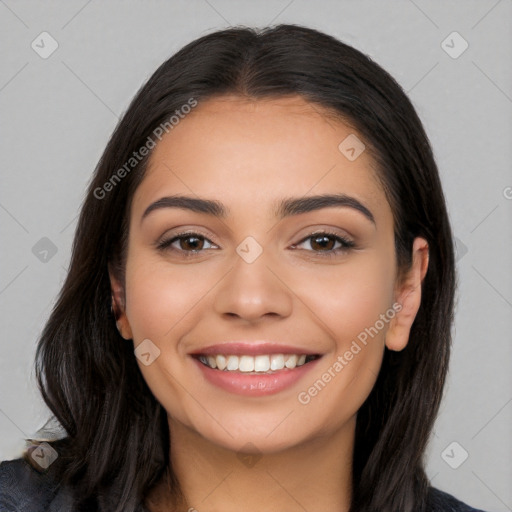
x,y
293,294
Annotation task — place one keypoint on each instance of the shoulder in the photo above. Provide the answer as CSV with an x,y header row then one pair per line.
x,y
440,501
23,488
26,489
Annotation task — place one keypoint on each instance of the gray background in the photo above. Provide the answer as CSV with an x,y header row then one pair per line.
x,y
57,114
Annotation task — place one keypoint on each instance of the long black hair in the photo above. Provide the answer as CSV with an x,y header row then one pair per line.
x,y
117,442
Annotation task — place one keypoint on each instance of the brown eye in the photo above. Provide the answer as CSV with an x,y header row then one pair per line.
x,y
327,244
322,242
186,243
191,243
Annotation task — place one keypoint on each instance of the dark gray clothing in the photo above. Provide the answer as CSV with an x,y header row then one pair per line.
x,y
23,489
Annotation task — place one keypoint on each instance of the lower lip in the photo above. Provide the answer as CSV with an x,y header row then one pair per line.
x,y
255,385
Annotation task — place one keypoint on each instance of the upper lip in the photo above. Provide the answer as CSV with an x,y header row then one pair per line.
x,y
251,348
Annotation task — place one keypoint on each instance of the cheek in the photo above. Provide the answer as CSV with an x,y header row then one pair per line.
x,y
160,296
353,305
160,306
350,298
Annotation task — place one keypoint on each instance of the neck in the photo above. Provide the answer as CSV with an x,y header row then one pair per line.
x,y
316,475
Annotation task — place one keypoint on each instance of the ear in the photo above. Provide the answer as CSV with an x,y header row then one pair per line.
x,y
408,295
119,306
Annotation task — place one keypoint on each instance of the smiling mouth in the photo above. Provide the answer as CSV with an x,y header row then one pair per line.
x,y
264,363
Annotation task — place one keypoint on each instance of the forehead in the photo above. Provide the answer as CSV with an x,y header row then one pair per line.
x,y
249,153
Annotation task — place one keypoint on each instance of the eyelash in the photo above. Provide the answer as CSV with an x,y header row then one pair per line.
x,y
346,244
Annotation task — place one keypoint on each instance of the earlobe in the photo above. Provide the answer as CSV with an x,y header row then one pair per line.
x,y
408,296
119,308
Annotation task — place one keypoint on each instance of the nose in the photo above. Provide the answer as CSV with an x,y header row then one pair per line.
x,y
253,291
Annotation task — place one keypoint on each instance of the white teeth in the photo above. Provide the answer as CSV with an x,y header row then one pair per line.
x,y
276,362
291,361
246,364
232,363
262,363
259,363
221,362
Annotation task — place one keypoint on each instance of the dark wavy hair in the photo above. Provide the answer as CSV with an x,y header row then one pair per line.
x,y
117,440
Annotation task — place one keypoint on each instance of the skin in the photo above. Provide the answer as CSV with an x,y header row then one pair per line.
x,y
248,155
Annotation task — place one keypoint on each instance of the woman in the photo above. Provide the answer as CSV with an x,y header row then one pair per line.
x,y
258,308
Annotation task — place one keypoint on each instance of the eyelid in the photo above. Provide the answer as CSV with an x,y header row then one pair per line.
x,y
326,230
165,242
346,246
347,242
181,231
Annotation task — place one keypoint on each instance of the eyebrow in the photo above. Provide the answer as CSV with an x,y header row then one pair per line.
x,y
284,208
